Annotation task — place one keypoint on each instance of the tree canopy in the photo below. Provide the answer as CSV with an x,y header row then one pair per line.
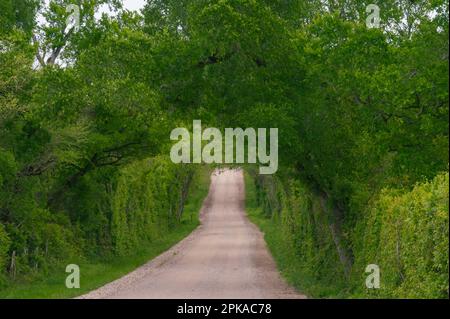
x,y
358,109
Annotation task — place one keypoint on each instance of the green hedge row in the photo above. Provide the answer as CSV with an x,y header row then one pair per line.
x,y
404,232
110,212
147,201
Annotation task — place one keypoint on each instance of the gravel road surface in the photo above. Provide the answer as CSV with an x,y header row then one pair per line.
x,y
226,257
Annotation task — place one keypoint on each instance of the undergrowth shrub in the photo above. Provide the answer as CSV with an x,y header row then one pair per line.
x,y
404,232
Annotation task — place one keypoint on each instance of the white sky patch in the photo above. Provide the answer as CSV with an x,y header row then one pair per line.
x,y
132,5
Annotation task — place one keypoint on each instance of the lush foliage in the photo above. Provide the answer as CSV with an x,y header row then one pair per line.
x,y
85,117
404,233
161,232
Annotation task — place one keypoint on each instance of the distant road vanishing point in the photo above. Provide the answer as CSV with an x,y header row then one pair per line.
x,y
224,258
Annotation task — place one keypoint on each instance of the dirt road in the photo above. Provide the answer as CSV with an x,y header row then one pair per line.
x,y
226,257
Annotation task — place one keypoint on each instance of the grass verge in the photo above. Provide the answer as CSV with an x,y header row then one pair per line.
x,y
94,274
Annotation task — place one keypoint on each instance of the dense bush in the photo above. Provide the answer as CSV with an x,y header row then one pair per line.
x,y
4,247
139,203
298,230
147,202
405,233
